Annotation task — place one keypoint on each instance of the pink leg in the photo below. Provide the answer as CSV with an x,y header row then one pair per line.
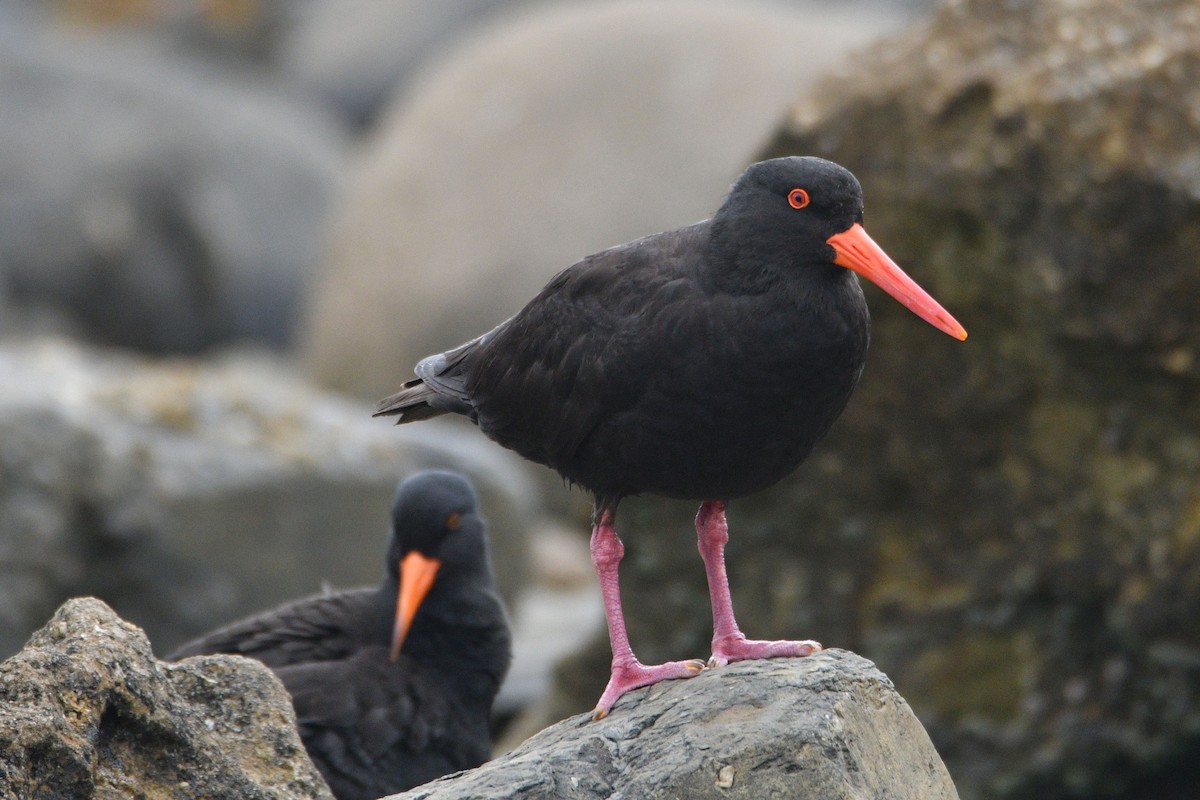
x,y
729,643
627,672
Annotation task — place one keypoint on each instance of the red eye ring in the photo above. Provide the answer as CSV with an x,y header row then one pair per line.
x,y
798,198
453,521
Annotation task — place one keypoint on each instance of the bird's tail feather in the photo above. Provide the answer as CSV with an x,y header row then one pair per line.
x,y
410,404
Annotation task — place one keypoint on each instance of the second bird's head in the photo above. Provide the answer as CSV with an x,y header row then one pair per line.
x,y
438,539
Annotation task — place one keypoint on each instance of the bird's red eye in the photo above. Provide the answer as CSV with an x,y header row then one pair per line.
x,y
452,521
798,198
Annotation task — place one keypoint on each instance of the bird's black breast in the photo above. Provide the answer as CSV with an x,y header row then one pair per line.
x,y
629,374
737,414
375,727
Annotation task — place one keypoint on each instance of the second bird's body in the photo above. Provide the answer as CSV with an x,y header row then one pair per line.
x,y
392,688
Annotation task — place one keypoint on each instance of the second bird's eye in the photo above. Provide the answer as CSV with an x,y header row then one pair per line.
x,y
452,521
798,198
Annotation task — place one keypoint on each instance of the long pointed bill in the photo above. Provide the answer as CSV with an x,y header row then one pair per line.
x,y
416,577
858,251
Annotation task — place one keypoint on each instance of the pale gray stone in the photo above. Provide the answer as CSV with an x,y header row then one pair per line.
x,y
828,726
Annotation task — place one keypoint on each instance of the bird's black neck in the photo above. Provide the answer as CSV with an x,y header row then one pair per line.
x,y
739,262
459,637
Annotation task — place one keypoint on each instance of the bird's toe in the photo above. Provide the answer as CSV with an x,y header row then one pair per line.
x,y
739,648
634,675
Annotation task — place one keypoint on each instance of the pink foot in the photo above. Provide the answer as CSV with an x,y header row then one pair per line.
x,y
634,674
627,672
729,643
738,648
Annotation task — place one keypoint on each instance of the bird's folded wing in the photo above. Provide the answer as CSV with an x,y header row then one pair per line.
x,y
304,630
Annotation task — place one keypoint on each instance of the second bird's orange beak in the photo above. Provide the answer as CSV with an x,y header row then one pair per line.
x,y
857,251
417,572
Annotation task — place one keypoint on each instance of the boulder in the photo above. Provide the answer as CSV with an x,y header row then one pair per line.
x,y
356,54
153,201
187,494
1007,526
829,726
88,712
571,128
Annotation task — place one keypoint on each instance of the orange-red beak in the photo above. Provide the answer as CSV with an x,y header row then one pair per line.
x,y
417,572
858,251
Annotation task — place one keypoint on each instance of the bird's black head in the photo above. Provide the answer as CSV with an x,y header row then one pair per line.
x,y
429,510
438,555
784,210
796,223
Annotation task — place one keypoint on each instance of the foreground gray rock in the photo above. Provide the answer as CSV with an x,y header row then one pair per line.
x,y
88,712
187,494
829,726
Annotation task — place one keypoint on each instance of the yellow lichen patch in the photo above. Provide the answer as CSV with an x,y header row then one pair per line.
x,y
1060,430
1178,361
1118,476
1017,474
904,579
1186,536
233,15
974,675
1135,589
164,398
1066,548
107,12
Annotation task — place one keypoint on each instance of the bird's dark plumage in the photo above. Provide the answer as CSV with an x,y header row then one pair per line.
x,y
373,725
701,363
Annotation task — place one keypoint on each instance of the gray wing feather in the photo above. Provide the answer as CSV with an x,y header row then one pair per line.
x,y
440,385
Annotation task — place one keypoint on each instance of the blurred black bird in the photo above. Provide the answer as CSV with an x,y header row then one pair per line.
x,y
702,363
393,685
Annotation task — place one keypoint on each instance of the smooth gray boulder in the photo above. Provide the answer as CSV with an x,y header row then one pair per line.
x,y
88,711
356,54
829,726
154,201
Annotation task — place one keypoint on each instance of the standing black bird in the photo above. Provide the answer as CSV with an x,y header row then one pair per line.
x,y
702,363
392,685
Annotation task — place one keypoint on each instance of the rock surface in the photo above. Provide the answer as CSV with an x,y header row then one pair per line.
x,y
1009,527
188,494
572,128
87,711
829,726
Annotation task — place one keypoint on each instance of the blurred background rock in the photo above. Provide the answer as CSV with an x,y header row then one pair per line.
x,y
227,226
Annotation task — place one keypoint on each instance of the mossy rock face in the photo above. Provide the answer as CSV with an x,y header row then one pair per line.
x,y
1009,527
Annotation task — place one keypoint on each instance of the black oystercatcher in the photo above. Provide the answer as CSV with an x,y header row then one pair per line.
x,y
393,685
701,363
